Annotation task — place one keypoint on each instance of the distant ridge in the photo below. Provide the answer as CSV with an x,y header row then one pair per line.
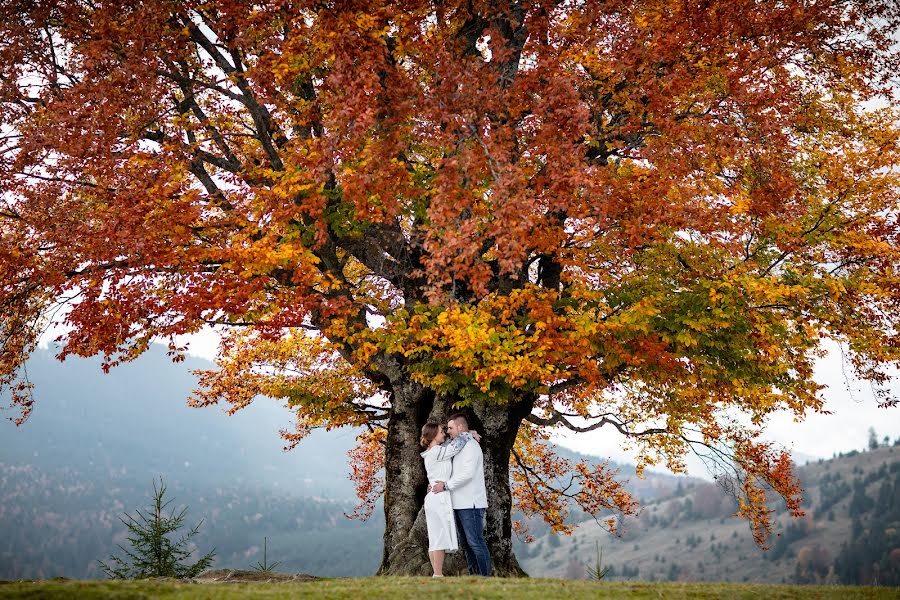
x,y
850,534
135,421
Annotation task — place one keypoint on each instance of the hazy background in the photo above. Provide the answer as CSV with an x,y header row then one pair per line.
x,y
95,442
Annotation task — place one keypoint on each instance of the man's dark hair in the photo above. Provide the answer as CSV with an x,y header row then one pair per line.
x,y
460,417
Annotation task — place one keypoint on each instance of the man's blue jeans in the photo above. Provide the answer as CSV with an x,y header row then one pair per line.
x,y
470,531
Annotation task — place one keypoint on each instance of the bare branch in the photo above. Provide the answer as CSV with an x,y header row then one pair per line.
x,y
559,418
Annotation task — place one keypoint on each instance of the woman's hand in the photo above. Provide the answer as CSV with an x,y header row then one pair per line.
x,y
476,435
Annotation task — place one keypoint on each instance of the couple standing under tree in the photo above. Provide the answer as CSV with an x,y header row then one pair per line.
x,y
457,498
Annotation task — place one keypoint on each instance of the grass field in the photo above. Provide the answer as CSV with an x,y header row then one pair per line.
x,y
420,587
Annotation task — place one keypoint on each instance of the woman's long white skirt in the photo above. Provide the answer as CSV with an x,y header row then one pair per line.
x,y
440,521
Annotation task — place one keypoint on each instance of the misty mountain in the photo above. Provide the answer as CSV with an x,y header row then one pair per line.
x,y
134,422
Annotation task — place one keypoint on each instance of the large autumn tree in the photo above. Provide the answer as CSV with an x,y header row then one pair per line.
x,y
644,216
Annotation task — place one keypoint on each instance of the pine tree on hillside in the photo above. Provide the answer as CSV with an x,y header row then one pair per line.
x,y
153,554
873,439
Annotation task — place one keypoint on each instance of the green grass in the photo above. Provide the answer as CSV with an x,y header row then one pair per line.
x,y
425,588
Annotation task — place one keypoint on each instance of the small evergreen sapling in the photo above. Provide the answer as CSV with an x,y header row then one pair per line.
x,y
264,566
598,572
153,554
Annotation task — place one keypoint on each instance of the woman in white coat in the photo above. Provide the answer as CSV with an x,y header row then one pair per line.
x,y
438,508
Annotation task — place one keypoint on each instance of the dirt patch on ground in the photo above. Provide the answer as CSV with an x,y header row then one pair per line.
x,y
239,576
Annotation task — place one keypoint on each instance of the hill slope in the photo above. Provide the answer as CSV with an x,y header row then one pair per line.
x,y
849,535
135,421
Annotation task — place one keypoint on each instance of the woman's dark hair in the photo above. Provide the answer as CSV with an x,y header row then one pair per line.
x,y
429,432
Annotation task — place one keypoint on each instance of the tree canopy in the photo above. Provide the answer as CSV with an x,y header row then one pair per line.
x,y
641,215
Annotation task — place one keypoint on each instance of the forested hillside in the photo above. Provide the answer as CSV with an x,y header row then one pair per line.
x,y
850,534
59,523
135,420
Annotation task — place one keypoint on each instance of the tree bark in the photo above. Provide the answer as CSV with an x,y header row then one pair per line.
x,y
406,536
500,426
405,548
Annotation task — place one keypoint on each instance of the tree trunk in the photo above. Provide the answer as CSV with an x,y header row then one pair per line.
x,y
405,538
500,425
406,535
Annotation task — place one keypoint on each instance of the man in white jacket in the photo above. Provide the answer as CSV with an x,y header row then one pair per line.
x,y
469,498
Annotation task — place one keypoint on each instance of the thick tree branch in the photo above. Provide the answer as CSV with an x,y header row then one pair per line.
x,y
559,418
260,115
